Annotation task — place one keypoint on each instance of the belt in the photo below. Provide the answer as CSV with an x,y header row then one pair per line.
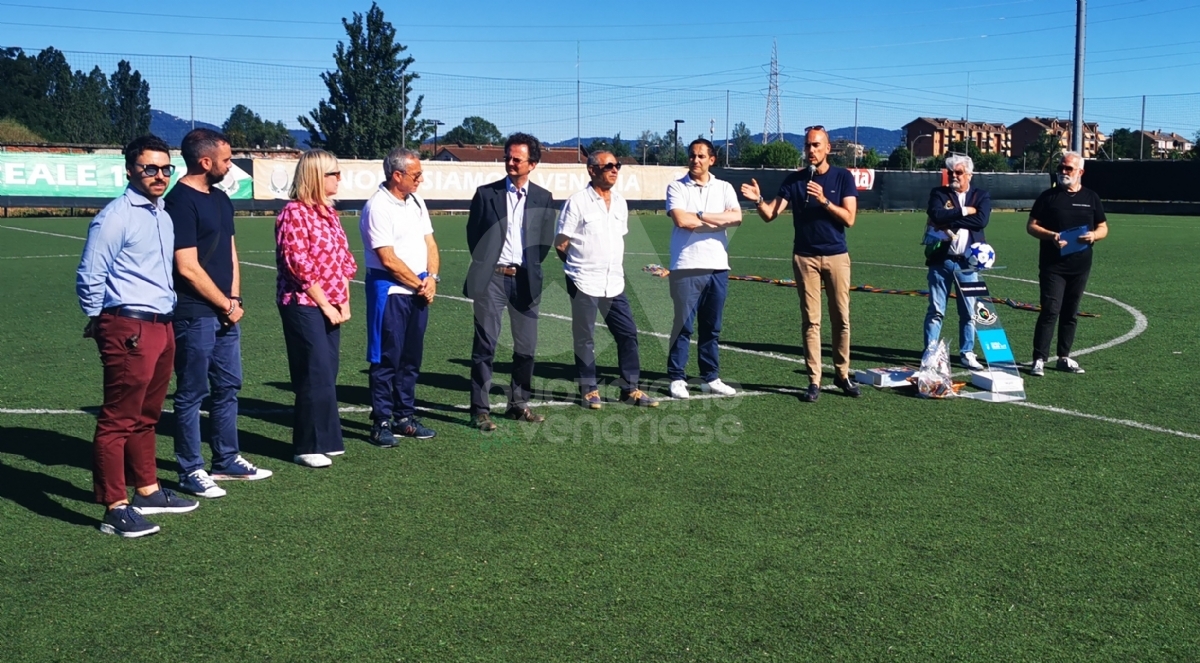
x,y
124,312
507,270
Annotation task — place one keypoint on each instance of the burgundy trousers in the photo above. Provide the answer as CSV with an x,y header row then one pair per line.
x,y
138,358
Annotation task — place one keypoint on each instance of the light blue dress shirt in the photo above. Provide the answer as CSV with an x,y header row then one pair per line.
x,y
128,257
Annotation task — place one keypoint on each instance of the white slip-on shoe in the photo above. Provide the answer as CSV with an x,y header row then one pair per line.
x,y
717,387
679,389
312,460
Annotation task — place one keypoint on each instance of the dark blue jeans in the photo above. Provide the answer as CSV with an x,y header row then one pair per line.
x,y
208,360
394,379
699,296
619,317
313,347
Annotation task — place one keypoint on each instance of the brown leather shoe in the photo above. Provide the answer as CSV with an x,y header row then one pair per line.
x,y
524,414
483,421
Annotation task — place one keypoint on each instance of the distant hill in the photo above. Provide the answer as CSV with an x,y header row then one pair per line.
x,y
172,129
883,140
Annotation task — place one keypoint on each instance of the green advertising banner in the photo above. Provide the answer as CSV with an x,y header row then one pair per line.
x,y
88,176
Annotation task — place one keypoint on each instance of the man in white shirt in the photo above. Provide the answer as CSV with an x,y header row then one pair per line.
x,y
402,263
591,242
702,208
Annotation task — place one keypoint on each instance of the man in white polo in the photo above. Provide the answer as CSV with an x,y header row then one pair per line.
x,y
590,241
702,208
402,264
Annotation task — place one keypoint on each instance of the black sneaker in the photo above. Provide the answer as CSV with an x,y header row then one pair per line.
x,y
163,501
849,387
381,434
412,427
811,394
127,523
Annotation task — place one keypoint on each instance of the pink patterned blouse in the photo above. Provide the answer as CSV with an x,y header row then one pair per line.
x,y
311,247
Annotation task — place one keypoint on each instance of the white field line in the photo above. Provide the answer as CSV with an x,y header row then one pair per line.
x,y
61,255
1140,325
43,232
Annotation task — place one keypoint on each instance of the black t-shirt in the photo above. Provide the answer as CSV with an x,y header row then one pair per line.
x,y
203,221
1058,210
818,233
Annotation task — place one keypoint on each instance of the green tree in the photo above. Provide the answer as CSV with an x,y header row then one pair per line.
x,y
646,147
24,82
474,130
86,117
1041,154
245,128
368,93
1125,144
780,154
739,140
870,159
620,148
900,159
128,103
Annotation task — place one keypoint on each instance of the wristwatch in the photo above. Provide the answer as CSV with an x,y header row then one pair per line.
x,y
700,215
827,203
436,278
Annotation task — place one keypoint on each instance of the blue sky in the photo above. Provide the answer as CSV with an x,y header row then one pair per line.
x,y
642,65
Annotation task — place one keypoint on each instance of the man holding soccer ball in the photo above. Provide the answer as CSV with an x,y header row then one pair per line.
x,y
957,213
1069,220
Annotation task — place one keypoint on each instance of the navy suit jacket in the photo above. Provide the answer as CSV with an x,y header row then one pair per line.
x,y
487,226
944,210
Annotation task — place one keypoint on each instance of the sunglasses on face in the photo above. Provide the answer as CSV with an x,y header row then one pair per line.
x,y
609,166
151,170
334,173
516,160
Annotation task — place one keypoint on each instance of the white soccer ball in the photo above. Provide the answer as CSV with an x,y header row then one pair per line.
x,y
981,255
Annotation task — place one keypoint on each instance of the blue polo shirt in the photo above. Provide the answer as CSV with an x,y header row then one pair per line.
x,y
818,233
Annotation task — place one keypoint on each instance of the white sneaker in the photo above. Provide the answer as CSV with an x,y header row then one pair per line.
x,y
1069,365
717,387
331,454
679,389
312,460
969,360
1038,369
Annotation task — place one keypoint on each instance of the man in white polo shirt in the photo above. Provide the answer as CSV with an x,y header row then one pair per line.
x,y
703,208
591,241
402,264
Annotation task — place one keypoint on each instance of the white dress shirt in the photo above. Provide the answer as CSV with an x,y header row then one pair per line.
x,y
401,224
700,250
596,254
514,245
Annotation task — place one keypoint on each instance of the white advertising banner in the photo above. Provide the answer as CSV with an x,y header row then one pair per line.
x,y
453,180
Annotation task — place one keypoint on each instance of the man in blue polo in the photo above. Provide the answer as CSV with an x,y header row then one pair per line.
x,y
824,202
208,350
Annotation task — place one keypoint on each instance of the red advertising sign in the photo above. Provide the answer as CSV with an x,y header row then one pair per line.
x,y
864,178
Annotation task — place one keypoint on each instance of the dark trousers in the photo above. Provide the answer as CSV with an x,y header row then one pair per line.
x,y
208,360
312,348
137,371
1062,289
699,296
394,379
619,317
489,306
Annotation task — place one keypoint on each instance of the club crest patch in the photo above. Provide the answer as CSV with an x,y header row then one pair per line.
x,y
983,314
949,204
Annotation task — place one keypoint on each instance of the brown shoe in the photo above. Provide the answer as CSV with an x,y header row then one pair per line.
x,y
483,421
524,414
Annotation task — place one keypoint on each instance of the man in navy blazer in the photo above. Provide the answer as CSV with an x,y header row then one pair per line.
x,y
961,212
510,229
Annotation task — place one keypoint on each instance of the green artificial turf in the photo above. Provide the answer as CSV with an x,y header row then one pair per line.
x,y
885,528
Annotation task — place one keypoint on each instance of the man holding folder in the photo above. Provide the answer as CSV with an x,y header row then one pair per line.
x,y
1069,220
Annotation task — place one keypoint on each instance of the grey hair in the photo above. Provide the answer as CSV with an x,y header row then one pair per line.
x,y
593,159
1075,155
397,161
955,160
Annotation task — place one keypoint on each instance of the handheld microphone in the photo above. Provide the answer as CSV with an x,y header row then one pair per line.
x,y
812,171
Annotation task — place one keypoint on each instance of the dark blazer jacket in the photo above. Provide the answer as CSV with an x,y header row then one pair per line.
x,y
487,226
945,210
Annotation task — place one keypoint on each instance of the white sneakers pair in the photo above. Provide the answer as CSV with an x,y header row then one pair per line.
x,y
679,388
316,460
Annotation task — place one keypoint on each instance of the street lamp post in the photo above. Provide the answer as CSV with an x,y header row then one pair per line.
x,y
912,156
436,124
675,147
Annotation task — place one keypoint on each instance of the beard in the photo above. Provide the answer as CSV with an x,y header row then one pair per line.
x,y
1065,181
213,178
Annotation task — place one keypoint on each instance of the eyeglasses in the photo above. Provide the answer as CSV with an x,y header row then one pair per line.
x,y
609,166
419,175
151,170
335,173
815,127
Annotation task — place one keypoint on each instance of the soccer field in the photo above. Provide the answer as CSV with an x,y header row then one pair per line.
x,y
750,528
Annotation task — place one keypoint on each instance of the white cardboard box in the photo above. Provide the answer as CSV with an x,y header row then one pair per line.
x,y
997,381
893,376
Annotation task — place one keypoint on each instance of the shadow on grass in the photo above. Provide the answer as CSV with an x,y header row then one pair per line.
x,y
34,490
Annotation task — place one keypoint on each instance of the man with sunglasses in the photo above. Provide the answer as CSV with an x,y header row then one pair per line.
x,y
703,208
510,228
402,276
1069,220
824,202
125,287
591,243
208,348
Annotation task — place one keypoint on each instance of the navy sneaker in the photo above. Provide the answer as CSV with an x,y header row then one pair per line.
x,y
198,483
241,470
811,394
848,387
163,501
412,427
381,434
127,523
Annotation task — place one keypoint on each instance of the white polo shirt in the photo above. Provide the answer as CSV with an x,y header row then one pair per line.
x,y
700,250
596,254
400,224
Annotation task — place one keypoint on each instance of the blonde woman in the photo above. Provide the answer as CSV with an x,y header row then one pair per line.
x,y
315,267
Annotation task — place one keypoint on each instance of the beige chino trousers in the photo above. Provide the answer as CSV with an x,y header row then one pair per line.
x,y
834,273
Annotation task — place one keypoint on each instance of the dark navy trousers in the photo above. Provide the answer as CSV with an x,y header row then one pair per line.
x,y
619,317
394,379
